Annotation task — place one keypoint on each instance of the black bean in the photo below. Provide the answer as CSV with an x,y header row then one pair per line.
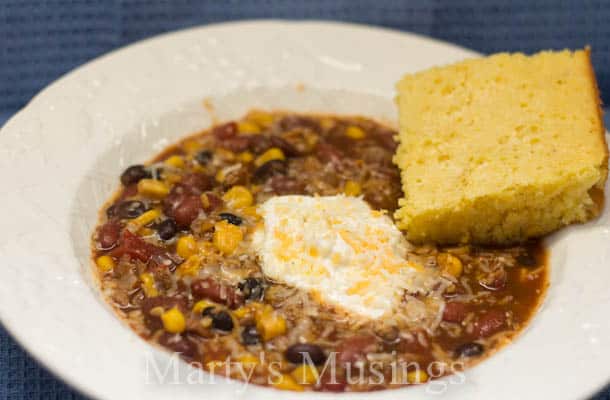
x,y
230,218
130,209
252,289
134,174
222,321
167,229
472,349
298,353
208,311
527,259
269,169
204,157
250,335
111,211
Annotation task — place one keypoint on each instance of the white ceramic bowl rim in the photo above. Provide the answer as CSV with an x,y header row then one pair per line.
x,y
60,157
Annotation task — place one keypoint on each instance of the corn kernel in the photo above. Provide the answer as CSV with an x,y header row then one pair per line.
x,y
191,146
153,188
190,267
285,382
241,312
169,178
144,219
270,324
245,310
148,284
261,118
220,176
355,132
212,365
146,232
245,157
450,264
305,374
186,246
417,376
227,236
273,153
238,197
157,311
175,161
249,360
327,123
248,127
202,305
225,154
251,212
173,321
105,263
205,247
352,188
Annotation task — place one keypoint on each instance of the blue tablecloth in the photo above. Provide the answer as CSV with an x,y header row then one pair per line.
x,y
42,39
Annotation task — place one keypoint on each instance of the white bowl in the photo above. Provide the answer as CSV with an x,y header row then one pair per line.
x,y
62,154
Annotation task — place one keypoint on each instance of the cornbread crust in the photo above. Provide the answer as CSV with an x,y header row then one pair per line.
x,y
500,149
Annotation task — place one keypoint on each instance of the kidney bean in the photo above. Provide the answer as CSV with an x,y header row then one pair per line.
x,y
196,183
108,235
282,185
455,311
291,122
214,202
179,344
328,153
355,349
301,353
225,131
236,144
210,289
184,210
490,322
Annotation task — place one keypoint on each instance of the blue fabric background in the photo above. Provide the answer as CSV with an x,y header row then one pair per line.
x,y
41,40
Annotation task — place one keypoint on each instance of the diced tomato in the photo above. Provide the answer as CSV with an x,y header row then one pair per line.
x,y
211,289
455,311
135,247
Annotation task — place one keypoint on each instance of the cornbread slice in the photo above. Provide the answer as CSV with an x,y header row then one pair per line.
x,y
500,149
